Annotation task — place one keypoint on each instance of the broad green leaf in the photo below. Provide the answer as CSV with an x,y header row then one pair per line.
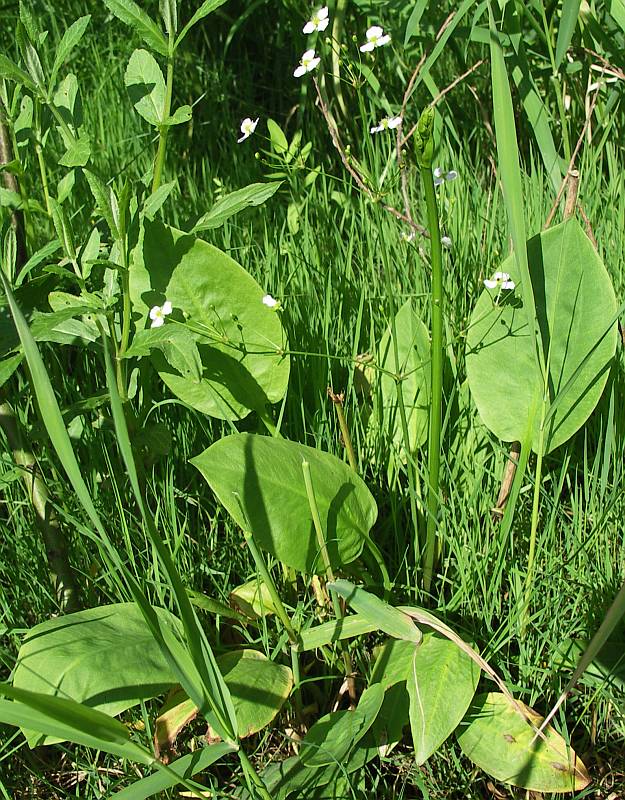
x,y
207,7
260,482
134,16
331,738
241,341
279,141
617,11
387,618
187,767
393,662
252,195
413,366
67,720
338,629
213,606
146,86
576,310
258,687
496,738
69,40
441,683
103,657
253,599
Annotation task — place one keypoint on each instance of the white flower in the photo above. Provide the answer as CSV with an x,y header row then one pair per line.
x,y
270,301
318,21
307,63
248,126
500,280
158,314
375,38
386,123
446,241
441,177
408,237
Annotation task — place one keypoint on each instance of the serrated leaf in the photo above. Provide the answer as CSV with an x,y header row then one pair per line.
x,y
207,7
10,70
134,16
230,204
69,40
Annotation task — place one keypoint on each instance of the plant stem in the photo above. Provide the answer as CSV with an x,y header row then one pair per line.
x,y
253,776
262,568
337,401
164,126
44,175
323,549
410,466
436,379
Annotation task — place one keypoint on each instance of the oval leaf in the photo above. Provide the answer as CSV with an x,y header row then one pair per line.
x,y
260,482
105,658
146,86
496,738
240,340
576,310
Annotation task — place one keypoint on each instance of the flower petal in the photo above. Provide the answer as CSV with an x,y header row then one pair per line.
x,y
446,241
309,27
383,40
322,13
437,172
367,48
167,308
394,122
308,55
508,285
299,71
374,32
490,284
155,312
451,175
322,24
312,64
438,181
157,322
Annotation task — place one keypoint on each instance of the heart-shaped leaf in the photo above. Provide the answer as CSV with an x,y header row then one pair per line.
x,y
260,482
103,657
576,311
240,340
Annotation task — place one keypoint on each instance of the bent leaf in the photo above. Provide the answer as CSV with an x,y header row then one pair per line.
x,y
241,342
259,480
387,618
253,195
496,738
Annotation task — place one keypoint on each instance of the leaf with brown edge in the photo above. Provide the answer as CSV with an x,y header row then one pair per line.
x,y
496,738
177,711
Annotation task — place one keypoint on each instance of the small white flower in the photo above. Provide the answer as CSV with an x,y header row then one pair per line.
x,y
307,63
158,314
248,126
318,21
375,38
408,236
441,177
446,241
386,123
500,280
270,301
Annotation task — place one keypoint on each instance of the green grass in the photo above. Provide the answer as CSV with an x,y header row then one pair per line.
x,y
330,278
